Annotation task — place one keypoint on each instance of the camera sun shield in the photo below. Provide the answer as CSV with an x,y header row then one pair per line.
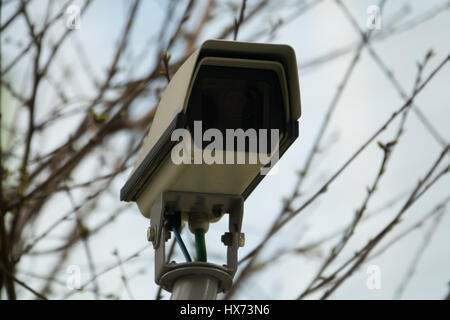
x,y
223,85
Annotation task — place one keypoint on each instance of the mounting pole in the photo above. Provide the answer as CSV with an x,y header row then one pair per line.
x,y
195,287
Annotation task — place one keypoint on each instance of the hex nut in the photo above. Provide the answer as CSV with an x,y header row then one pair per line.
x,y
151,234
227,239
241,240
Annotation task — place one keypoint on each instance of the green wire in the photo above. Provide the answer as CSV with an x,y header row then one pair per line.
x,y
200,245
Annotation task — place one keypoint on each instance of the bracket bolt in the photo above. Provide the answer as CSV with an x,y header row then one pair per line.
x,y
151,234
227,239
241,239
217,211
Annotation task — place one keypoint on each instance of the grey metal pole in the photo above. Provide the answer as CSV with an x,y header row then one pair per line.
x,y
195,287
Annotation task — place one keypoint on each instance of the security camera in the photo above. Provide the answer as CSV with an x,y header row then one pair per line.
x,y
225,118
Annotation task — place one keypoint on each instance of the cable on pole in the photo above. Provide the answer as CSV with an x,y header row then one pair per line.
x,y
200,244
181,244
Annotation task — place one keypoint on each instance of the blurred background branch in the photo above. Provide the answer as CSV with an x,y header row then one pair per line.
x,y
80,82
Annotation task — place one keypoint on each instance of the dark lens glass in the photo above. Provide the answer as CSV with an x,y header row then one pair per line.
x,y
236,98
226,104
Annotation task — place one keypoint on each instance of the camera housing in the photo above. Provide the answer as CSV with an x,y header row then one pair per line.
x,y
225,85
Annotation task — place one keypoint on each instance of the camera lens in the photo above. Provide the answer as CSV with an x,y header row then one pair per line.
x,y
237,108
236,103
236,98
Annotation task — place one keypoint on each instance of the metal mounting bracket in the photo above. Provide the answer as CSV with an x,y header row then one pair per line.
x,y
215,206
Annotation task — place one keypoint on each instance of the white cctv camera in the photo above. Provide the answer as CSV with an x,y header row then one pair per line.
x,y
228,114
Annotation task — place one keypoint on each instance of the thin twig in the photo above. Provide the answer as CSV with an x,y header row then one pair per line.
x,y
238,22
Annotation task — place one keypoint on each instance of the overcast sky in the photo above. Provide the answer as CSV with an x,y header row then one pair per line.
x,y
367,102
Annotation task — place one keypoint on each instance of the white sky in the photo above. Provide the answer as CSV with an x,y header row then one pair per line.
x,y
368,100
